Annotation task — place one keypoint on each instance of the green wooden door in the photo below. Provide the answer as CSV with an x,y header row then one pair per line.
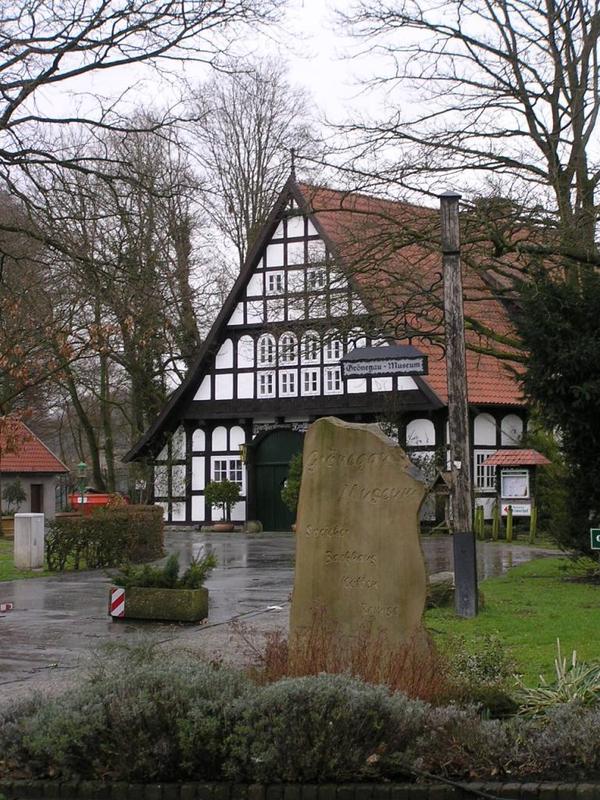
x,y
272,461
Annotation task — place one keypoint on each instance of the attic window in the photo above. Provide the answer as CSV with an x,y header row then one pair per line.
x,y
275,283
316,279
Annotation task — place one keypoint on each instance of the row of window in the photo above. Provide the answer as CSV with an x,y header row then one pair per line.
x,y
310,382
316,279
289,349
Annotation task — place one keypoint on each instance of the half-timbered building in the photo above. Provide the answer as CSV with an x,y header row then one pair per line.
x,y
329,272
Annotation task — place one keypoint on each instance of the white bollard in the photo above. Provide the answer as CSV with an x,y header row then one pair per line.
x,y
29,541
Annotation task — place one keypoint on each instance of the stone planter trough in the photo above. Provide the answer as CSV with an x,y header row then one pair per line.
x,y
172,605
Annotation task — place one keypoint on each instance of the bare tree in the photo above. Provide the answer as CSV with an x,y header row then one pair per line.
x,y
46,47
248,123
503,91
129,266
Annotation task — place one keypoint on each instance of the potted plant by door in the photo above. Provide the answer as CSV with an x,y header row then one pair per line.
x,y
223,495
13,495
159,593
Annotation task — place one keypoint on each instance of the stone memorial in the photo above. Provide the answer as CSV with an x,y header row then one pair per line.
x,y
358,556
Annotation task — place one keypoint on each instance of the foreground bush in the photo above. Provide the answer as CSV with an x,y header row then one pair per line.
x,y
139,718
321,728
149,716
107,538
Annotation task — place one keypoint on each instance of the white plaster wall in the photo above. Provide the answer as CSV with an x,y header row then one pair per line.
x,y
198,509
295,226
245,385
198,440
197,473
274,255
420,432
485,430
295,253
512,430
255,286
356,385
224,359
203,392
161,481
245,352
224,386
178,512
406,383
236,438
237,318
254,311
382,384
178,487
219,439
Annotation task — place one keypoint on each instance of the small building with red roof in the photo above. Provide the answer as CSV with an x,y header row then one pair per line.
x,y
330,271
26,459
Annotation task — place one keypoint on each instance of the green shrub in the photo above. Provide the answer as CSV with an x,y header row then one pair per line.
x,y
291,489
224,494
484,664
137,719
167,577
107,538
320,728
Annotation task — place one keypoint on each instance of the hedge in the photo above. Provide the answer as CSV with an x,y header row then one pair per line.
x,y
149,715
107,538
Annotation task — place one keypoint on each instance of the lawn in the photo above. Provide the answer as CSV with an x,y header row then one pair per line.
x,y
7,569
528,608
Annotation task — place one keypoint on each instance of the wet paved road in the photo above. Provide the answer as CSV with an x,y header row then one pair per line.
x,y
58,620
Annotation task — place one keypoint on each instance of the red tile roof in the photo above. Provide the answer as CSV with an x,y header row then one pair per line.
x,y
22,451
388,249
516,458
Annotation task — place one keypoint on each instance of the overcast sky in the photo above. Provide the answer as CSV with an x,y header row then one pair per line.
x,y
308,40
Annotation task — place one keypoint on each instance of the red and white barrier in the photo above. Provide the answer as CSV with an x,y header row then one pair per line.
x,y
6,607
117,602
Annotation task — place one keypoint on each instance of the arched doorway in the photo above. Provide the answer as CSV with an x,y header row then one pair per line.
x,y
272,456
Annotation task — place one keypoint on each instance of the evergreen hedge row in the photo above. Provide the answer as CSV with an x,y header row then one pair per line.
x,y
109,537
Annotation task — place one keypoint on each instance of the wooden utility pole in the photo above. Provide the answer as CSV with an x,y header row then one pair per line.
x,y
463,537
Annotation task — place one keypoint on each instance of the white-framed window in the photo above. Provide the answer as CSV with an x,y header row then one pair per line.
x,y
514,483
311,348
288,349
229,469
316,278
334,348
288,383
310,381
266,350
220,469
485,477
333,380
274,282
266,384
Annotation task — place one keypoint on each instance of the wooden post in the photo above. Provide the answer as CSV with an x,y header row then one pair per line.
x,y
496,522
465,560
509,525
533,523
